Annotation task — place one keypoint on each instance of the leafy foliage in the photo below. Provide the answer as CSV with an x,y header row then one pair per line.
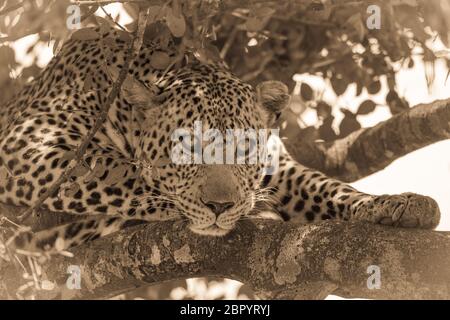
x,y
257,40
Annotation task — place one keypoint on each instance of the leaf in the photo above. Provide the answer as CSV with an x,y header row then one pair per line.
x,y
80,170
323,110
136,174
116,174
88,11
306,92
176,8
46,284
67,156
391,96
255,24
359,87
154,14
207,53
296,104
366,107
176,24
264,11
155,174
391,82
7,56
326,131
319,10
162,161
412,3
212,52
309,133
289,125
339,85
88,83
395,103
71,190
123,35
99,170
4,174
349,124
355,21
159,60
105,25
59,244
31,71
85,34
57,45
374,87
109,42
258,19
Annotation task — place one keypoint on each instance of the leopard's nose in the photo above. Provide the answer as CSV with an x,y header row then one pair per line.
x,y
218,207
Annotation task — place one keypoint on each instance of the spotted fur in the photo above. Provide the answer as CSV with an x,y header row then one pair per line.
x,y
40,128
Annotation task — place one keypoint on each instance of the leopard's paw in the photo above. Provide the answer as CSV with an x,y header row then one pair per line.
x,y
407,210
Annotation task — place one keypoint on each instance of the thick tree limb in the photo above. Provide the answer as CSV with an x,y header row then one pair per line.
x,y
369,150
279,260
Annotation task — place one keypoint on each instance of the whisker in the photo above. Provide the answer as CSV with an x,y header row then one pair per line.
x,y
159,200
167,209
150,197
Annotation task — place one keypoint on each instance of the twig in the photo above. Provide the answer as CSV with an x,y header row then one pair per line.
x,y
91,11
105,1
253,74
110,18
12,8
227,45
15,37
131,54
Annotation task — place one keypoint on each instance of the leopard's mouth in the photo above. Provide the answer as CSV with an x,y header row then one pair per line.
x,y
213,230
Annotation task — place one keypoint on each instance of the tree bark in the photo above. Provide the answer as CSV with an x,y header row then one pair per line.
x,y
371,149
279,260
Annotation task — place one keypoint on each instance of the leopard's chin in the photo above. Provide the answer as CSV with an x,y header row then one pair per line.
x,y
213,231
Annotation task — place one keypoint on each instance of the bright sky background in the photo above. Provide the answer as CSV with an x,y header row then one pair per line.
x,y
425,171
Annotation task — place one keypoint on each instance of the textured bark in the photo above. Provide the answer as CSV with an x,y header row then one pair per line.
x,y
369,150
279,260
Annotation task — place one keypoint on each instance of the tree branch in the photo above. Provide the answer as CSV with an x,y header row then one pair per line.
x,y
371,149
279,260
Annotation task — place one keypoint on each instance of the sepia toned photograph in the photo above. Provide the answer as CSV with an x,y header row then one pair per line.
x,y
224,154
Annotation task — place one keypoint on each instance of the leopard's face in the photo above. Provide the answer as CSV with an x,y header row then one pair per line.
x,y
212,191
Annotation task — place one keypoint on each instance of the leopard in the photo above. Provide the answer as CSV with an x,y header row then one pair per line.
x,y
126,173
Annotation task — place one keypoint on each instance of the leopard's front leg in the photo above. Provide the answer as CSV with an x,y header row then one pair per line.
x,y
408,210
308,196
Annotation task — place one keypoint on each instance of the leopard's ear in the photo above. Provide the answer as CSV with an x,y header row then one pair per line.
x,y
136,92
273,96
